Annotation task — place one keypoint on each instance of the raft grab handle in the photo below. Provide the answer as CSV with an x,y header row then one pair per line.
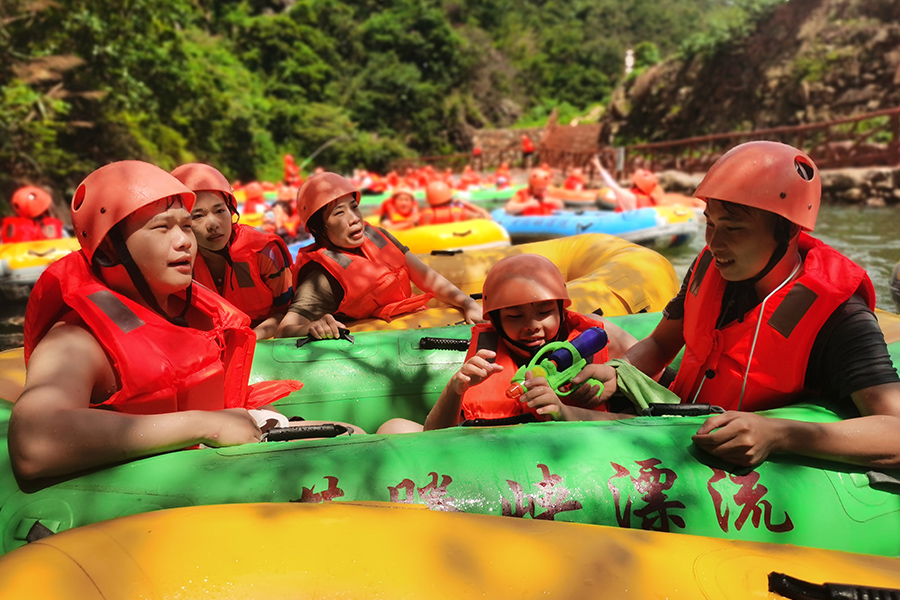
x,y
305,432
344,335
655,409
797,589
437,343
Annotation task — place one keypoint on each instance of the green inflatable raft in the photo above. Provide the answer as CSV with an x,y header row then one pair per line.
x,y
642,473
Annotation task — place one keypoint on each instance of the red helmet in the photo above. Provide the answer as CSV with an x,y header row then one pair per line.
x,y
644,180
437,193
30,201
770,176
523,279
318,191
199,177
253,191
113,192
539,178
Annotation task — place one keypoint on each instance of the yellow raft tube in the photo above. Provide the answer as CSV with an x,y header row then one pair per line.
x,y
473,234
604,274
386,551
21,263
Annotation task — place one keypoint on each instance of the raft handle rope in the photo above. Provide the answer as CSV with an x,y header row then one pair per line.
x,y
658,409
445,252
344,334
305,432
436,343
797,589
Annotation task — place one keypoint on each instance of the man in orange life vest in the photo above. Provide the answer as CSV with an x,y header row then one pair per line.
x,y
400,211
168,359
354,270
249,268
444,208
533,200
769,316
32,221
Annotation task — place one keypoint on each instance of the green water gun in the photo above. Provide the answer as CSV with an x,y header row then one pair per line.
x,y
559,362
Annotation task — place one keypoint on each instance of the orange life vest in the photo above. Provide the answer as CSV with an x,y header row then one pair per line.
x,y
437,215
161,367
23,229
244,286
375,284
573,182
488,399
542,210
715,360
389,210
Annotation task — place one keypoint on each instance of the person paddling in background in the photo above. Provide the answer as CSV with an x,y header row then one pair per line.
x,y
120,326
249,268
400,211
526,300
32,220
534,200
444,208
769,316
356,271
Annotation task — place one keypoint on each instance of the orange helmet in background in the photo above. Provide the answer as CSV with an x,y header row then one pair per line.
x,y
320,190
770,176
30,201
539,179
437,193
644,180
199,177
116,190
523,279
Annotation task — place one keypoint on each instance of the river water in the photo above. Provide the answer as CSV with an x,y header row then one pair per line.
x,y
869,236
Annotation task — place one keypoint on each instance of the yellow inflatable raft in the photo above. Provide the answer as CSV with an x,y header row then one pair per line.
x,y
474,234
342,550
21,264
604,274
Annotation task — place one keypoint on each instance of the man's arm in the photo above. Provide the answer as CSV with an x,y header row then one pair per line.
x,y
53,430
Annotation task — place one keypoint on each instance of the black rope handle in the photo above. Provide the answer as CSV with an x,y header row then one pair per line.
x,y
797,589
436,343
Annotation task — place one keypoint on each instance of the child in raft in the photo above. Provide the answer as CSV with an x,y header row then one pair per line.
x,y
526,300
443,207
533,200
247,267
400,211
354,270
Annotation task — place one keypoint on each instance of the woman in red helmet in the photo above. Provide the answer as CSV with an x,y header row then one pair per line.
x,y
32,220
168,360
400,211
354,270
645,190
526,300
769,316
444,208
533,200
247,267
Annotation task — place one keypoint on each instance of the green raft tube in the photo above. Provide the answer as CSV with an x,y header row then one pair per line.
x,y
640,473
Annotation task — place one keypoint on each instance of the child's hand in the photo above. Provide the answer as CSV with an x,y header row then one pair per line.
x,y
325,328
605,374
542,397
585,396
474,371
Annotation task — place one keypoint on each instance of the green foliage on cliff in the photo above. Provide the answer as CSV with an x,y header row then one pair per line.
x,y
239,83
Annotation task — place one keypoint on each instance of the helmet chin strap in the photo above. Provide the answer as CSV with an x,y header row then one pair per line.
x,y
140,283
561,333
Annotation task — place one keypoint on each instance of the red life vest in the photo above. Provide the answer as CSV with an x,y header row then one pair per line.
x,y
23,229
389,211
542,210
437,215
375,284
160,367
488,399
244,286
642,200
715,360
573,182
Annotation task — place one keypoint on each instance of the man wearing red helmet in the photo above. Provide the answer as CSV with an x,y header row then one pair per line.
x,y
169,360
444,208
533,200
769,316
354,270
32,220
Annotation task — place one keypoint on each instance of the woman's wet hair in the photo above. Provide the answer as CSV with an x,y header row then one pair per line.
x,y
316,225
